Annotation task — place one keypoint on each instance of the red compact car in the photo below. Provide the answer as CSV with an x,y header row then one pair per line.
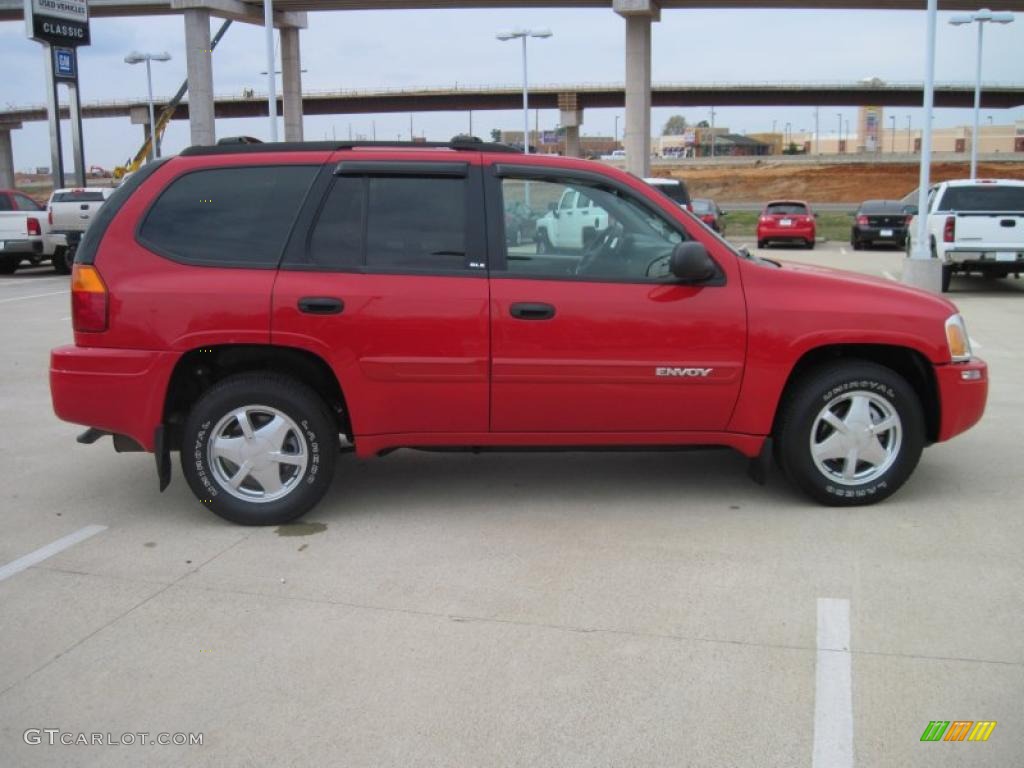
x,y
250,305
786,221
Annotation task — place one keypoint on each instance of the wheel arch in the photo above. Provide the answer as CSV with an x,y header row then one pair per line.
x,y
199,369
907,362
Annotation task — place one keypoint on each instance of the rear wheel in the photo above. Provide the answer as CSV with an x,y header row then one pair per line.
x,y
63,260
810,244
947,276
850,433
259,449
762,244
9,264
856,244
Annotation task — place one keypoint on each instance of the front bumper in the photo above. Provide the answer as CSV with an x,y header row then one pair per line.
x,y
115,390
963,391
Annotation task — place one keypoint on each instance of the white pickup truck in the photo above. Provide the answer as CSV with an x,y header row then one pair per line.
x,y
70,211
24,232
571,223
975,227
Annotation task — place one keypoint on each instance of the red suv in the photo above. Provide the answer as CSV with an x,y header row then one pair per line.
x,y
250,305
787,221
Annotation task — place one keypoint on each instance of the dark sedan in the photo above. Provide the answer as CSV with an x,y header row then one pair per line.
x,y
880,222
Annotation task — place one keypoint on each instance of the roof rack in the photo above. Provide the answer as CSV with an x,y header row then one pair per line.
x,y
238,145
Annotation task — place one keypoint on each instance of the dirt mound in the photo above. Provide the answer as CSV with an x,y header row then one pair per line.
x,y
840,183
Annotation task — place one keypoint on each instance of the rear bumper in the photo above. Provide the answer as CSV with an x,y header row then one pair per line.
x,y
991,257
874,234
785,233
963,391
116,390
21,247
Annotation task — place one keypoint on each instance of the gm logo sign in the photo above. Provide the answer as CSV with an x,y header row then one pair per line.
x,y
958,730
64,62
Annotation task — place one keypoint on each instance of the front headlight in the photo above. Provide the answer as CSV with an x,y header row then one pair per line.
x,y
957,339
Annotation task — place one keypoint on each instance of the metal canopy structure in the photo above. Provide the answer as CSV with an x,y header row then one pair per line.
x,y
11,10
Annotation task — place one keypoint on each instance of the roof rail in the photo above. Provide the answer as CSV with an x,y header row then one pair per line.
x,y
238,145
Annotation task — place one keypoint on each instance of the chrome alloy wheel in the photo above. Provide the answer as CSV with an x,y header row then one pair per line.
x,y
257,453
856,438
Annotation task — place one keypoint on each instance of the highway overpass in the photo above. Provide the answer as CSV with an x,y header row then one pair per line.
x,y
465,98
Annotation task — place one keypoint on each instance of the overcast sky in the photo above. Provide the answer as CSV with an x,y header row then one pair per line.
x,y
371,49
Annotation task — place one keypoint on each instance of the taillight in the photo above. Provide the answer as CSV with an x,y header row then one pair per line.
x,y
766,219
862,221
88,300
949,231
33,226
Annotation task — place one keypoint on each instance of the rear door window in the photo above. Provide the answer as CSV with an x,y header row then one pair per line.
x,y
238,217
26,203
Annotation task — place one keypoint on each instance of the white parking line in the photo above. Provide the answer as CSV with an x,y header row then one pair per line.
x,y
889,275
975,344
49,550
33,296
843,251
833,698
22,283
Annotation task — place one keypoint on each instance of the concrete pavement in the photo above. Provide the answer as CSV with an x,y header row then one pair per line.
x,y
610,609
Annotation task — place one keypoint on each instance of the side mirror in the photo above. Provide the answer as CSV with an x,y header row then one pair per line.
x,y
553,208
690,263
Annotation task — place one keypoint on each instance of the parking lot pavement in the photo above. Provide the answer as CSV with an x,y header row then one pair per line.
x,y
641,609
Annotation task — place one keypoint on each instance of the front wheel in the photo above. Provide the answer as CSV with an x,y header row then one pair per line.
x,y
259,449
850,433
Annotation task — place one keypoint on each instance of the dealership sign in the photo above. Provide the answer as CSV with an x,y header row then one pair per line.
x,y
63,22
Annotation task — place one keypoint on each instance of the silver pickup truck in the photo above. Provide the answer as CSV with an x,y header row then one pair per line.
x,y
975,226
71,211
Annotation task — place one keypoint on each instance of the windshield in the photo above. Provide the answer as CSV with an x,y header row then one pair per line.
x,y
675,192
983,198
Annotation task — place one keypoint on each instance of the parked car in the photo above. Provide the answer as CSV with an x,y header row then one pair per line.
x,y
520,223
674,189
788,221
708,211
69,212
880,222
25,233
615,155
570,223
247,305
975,227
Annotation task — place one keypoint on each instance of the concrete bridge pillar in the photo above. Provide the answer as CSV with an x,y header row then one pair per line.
x,y
570,118
7,155
291,83
639,15
199,68
140,116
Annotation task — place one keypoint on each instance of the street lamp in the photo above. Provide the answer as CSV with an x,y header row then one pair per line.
x,y
523,34
615,135
893,137
137,58
981,18
839,133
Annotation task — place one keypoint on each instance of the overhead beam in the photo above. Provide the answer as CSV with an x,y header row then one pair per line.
x,y
239,11
11,10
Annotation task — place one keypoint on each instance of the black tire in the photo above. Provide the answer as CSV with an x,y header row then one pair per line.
x,y
810,244
315,434
63,259
9,264
543,244
855,243
947,276
829,386
762,244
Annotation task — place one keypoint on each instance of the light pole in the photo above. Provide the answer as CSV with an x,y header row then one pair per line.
x,y
893,138
137,58
523,34
908,135
981,18
839,134
712,131
615,135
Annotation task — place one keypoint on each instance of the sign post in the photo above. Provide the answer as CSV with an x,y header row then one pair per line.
x,y
61,26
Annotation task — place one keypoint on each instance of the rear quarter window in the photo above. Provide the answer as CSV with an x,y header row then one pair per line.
x,y
229,217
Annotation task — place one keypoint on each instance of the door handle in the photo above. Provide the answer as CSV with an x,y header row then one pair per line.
x,y
321,305
532,311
